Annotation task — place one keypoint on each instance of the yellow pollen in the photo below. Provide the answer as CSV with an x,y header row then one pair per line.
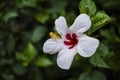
x,y
54,35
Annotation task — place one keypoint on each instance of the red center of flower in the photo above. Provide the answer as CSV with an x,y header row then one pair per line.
x,y
71,40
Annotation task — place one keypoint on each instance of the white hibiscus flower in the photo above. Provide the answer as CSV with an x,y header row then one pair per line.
x,y
72,41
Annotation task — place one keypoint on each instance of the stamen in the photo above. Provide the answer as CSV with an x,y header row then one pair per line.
x,y
68,36
68,43
54,35
71,40
74,36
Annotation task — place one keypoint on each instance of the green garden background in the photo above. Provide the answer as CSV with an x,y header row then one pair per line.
x,y
25,26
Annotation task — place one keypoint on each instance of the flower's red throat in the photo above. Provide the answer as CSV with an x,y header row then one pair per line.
x,y
71,40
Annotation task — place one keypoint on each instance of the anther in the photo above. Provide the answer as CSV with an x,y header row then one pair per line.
x,y
54,35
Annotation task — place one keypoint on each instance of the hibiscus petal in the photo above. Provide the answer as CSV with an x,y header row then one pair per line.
x,y
61,26
81,24
87,46
52,46
65,58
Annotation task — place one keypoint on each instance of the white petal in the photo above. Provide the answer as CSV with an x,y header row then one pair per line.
x,y
52,46
87,46
65,58
61,26
81,24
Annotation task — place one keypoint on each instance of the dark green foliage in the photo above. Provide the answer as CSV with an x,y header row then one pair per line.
x,y
38,34
25,26
94,75
98,21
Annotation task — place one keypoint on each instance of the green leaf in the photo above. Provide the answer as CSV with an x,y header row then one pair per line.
x,y
6,61
98,58
58,8
19,69
70,18
27,55
8,15
8,77
98,61
107,34
114,62
88,7
10,44
103,50
21,56
36,74
38,33
43,62
22,3
98,21
30,51
42,16
94,75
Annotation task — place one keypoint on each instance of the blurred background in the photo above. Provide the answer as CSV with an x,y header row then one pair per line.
x,y
25,26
